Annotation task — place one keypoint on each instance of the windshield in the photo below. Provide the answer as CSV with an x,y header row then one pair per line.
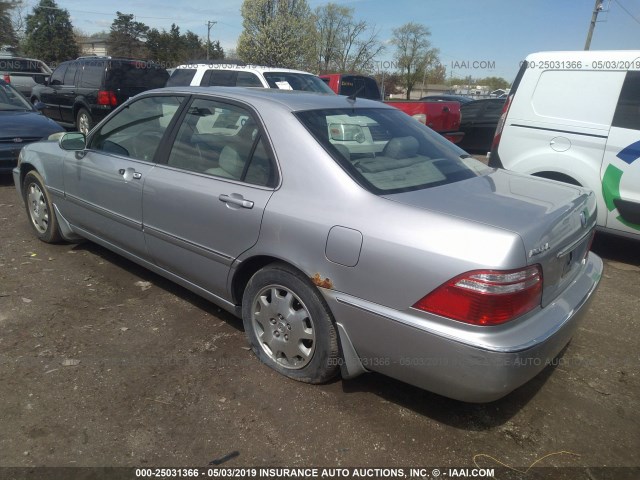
x,y
386,150
11,99
296,81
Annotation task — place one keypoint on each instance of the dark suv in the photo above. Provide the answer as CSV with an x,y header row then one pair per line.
x,y
82,92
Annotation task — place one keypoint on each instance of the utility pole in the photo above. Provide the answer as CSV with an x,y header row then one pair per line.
x,y
596,10
209,25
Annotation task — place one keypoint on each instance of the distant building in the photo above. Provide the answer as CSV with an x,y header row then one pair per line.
x,y
94,46
420,91
480,91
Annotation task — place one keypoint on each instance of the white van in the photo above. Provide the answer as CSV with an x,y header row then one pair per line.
x,y
575,117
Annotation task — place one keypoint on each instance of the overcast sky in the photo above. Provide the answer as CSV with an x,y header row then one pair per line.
x,y
475,37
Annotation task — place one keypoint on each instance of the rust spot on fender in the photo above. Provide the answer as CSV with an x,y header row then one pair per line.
x,y
322,282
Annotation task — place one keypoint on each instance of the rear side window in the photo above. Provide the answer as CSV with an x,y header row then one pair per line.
x,y
92,75
181,77
70,74
628,109
248,79
224,141
219,78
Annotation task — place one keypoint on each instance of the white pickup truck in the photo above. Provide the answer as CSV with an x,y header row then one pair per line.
x,y
23,73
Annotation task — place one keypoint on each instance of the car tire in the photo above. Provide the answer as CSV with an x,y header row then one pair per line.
x,y
84,122
289,326
40,208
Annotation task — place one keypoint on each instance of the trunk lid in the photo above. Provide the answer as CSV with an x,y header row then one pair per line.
x,y
554,220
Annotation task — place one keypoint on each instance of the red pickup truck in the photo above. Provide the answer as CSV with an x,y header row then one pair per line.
x,y
443,117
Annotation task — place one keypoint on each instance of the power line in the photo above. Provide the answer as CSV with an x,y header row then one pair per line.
x,y
627,11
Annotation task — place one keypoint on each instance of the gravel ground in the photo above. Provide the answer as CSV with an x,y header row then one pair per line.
x,y
105,364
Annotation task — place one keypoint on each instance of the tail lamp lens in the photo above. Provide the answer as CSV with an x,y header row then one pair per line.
x,y
486,297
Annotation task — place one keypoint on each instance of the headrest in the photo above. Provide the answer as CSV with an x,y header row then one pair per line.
x,y
401,147
231,162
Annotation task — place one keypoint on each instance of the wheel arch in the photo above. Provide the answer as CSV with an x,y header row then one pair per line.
x,y
247,268
558,176
350,366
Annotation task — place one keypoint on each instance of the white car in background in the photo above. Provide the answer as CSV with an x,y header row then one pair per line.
x,y
575,117
240,75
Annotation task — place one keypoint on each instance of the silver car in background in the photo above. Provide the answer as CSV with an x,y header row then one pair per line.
x,y
348,236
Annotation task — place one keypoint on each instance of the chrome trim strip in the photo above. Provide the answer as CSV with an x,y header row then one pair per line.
x,y
187,245
106,213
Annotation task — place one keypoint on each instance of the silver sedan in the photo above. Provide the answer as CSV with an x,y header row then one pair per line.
x,y
348,236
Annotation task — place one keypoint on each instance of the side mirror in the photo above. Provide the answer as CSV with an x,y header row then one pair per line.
x,y
39,106
73,141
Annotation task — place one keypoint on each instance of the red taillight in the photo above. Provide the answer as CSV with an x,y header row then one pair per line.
x,y
107,97
6,78
501,122
486,297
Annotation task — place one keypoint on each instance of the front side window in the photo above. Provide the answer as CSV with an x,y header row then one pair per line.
x,y
136,131
222,140
387,151
58,74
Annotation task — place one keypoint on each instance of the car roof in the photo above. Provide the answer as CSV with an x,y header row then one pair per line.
x,y
239,67
293,100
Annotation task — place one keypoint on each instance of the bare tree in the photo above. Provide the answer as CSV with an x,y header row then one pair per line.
x,y
331,20
344,44
358,51
413,53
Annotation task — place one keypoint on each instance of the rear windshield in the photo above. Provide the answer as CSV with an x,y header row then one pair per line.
x,y
296,81
181,77
11,100
23,65
387,151
137,75
363,87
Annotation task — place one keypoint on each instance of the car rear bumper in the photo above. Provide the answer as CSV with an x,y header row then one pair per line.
x,y
472,364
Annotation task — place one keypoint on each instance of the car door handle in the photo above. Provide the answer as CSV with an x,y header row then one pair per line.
x,y
236,199
130,173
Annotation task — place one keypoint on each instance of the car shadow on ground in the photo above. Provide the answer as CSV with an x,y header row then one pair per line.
x,y
462,415
617,249
160,282
466,416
